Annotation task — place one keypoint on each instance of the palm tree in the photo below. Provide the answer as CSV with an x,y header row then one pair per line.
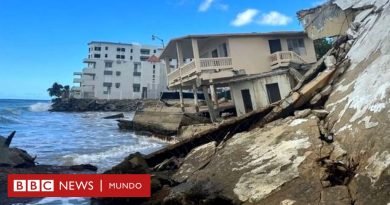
x,y
55,90
66,91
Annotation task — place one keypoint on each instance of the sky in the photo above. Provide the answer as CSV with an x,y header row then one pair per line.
x,y
44,41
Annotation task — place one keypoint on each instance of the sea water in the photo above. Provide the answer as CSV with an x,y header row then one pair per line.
x,y
60,138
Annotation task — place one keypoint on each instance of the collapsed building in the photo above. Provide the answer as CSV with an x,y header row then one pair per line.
x,y
326,142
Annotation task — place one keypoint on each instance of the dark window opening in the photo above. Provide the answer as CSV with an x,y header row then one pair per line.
x,y
246,98
273,92
275,45
136,88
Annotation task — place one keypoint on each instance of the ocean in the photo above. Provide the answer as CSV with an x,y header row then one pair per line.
x,y
59,138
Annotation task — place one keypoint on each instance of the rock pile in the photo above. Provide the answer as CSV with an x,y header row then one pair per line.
x,y
83,105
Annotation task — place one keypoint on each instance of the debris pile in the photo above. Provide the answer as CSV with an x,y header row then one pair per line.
x,y
325,143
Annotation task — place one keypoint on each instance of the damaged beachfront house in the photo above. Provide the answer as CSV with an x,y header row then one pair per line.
x,y
259,68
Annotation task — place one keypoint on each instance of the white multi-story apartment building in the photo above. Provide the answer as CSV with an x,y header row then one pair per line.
x,y
120,71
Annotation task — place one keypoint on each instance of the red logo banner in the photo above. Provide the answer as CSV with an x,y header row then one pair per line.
x,y
79,185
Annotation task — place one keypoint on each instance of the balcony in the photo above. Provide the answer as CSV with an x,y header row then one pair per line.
x,y
76,88
189,70
89,60
89,71
284,58
76,80
77,73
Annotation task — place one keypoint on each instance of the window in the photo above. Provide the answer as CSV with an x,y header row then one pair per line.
x,y
225,50
108,64
154,76
297,45
117,85
118,49
273,92
107,72
118,56
154,51
105,55
98,48
154,66
137,67
131,57
136,88
154,71
106,48
131,50
96,55
107,84
89,49
122,56
274,45
123,49
144,58
145,51
118,73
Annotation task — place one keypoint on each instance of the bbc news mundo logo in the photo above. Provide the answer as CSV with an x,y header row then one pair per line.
x,y
33,186
79,185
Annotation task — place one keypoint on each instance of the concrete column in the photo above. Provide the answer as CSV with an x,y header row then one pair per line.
x,y
209,104
195,51
167,66
180,63
181,99
195,91
214,96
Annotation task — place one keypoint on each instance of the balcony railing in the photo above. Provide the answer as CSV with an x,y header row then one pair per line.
x,y
284,58
89,71
76,80
215,63
189,69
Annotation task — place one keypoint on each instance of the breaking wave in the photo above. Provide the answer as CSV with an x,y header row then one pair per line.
x,y
8,120
104,160
39,107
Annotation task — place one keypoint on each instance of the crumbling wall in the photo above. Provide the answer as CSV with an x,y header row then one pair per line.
x,y
327,20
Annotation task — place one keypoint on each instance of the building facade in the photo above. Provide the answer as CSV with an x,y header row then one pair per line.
x,y
256,66
120,71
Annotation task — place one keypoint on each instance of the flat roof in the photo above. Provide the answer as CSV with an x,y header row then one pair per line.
x,y
253,34
274,33
125,44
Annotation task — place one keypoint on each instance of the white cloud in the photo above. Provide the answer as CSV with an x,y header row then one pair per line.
x,y
223,7
274,18
245,17
205,5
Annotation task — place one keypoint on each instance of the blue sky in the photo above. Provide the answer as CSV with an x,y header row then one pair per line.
x,y
43,41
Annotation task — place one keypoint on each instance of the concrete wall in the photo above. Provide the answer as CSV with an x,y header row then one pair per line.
x,y
327,20
258,91
253,53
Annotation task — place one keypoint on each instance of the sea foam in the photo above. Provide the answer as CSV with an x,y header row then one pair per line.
x,y
39,107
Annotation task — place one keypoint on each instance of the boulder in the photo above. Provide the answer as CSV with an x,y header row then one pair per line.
x,y
195,160
302,113
337,195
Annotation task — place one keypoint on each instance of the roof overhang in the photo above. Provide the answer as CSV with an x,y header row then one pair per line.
x,y
171,52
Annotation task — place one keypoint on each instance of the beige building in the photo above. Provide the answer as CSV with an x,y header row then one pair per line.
x,y
256,66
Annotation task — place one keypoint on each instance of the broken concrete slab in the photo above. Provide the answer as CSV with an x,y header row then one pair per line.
x,y
194,161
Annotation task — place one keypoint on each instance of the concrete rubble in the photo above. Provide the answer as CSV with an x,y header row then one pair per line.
x,y
325,143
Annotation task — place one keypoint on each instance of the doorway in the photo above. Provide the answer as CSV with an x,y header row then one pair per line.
x,y
273,92
246,98
144,92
